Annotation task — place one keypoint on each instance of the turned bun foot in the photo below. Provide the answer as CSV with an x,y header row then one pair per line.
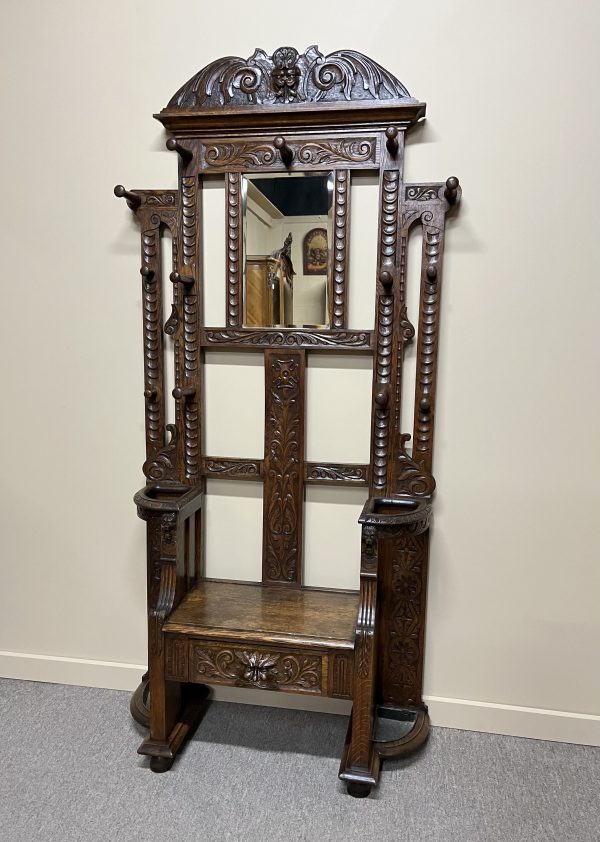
x,y
358,790
161,764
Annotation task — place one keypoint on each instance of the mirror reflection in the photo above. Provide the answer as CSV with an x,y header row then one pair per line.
x,y
287,235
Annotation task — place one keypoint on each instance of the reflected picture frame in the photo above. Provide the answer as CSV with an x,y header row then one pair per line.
x,y
315,252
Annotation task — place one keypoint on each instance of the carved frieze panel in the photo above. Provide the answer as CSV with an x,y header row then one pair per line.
x,y
347,340
263,669
316,153
233,468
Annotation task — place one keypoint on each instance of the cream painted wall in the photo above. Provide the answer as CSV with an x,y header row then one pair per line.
x,y
513,110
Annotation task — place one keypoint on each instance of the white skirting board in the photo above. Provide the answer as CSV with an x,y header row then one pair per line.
x,y
512,720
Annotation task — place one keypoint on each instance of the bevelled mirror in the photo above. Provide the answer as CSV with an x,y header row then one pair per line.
x,y
287,236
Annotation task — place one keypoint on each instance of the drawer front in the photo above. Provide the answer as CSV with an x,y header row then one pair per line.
x,y
272,668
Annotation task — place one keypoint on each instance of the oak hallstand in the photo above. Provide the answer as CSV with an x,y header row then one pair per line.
x,y
289,113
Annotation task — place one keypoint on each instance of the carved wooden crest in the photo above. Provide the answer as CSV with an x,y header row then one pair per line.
x,y
289,77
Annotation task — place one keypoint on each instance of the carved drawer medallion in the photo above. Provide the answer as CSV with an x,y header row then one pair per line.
x,y
266,669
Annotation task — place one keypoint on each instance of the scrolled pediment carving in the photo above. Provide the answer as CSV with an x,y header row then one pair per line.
x,y
287,77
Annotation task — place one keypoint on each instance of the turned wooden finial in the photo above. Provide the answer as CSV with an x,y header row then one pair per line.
x,y
392,144
133,200
284,150
185,154
451,191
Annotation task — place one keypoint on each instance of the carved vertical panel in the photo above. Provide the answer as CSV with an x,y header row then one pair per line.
x,y
188,299
427,343
153,345
341,676
233,205
189,202
176,658
283,466
404,570
384,330
364,669
341,223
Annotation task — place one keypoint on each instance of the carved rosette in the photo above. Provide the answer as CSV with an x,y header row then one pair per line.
x,y
288,76
283,466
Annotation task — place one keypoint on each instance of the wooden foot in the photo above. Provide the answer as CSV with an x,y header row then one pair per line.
x,y
139,705
357,790
163,752
359,780
161,764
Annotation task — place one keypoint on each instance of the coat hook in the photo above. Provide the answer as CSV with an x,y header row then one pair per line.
x,y
286,153
185,153
183,392
392,144
387,279
186,280
147,273
382,395
451,191
133,199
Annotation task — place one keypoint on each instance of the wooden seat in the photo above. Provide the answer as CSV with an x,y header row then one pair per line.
x,y
248,635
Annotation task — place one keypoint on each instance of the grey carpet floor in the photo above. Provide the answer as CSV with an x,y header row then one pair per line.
x,y
70,772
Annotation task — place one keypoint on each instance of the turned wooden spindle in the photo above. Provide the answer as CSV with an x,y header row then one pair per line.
x,y
184,153
284,150
451,191
180,392
133,199
147,273
185,280
391,142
